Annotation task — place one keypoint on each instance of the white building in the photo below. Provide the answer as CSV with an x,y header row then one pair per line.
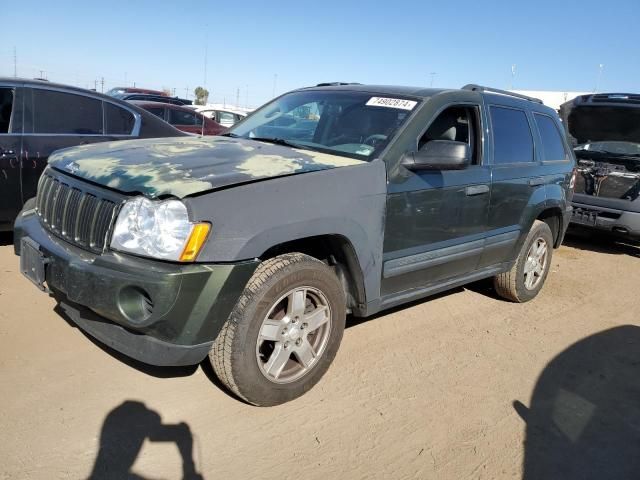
x,y
551,98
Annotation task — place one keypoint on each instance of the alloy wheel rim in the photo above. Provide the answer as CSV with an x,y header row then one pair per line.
x,y
293,335
536,263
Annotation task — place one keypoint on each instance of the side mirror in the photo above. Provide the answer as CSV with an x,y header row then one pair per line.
x,y
439,155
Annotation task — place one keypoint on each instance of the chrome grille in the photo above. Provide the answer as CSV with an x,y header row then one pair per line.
x,y
79,217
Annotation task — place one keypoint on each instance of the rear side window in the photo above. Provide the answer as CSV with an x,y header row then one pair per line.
x,y
158,112
66,113
118,121
179,117
6,107
552,144
512,140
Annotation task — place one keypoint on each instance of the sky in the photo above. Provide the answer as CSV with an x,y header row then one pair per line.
x,y
255,49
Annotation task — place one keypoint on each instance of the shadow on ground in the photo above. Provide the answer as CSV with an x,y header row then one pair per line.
x,y
123,434
6,238
601,242
584,418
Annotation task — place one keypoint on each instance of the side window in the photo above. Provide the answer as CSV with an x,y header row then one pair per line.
x,y
457,123
66,113
6,107
552,144
180,117
118,121
226,118
512,140
158,112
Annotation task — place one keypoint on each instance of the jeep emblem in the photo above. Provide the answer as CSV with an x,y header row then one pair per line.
x,y
73,167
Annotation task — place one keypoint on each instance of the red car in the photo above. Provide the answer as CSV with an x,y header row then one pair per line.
x,y
182,118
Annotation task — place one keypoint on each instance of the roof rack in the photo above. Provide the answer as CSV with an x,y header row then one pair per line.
x,y
336,84
480,88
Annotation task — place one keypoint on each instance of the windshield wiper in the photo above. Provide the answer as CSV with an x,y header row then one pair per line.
x,y
229,134
277,141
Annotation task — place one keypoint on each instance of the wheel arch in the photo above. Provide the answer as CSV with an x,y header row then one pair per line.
x,y
338,252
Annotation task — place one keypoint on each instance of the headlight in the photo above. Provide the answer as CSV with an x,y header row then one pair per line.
x,y
158,229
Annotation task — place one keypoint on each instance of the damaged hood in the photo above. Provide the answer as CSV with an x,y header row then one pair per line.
x,y
185,166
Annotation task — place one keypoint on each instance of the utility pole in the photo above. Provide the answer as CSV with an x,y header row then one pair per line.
x,y
513,75
173,94
238,97
95,85
600,69
15,62
102,85
42,74
433,75
186,92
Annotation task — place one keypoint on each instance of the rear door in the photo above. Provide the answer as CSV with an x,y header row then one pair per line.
x,y
10,151
517,187
55,119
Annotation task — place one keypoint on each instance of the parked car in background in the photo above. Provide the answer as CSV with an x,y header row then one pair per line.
x,y
38,117
251,249
183,118
605,131
153,98
124,90
225,117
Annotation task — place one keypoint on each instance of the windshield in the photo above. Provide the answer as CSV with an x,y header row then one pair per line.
x,y
115,92
351,124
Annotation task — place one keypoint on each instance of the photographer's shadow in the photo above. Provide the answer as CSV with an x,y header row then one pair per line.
x,y
123,434
584,418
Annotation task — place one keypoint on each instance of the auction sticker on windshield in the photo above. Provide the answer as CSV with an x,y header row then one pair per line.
x,y
392,103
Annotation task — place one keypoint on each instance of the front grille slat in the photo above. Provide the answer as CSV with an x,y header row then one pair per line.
x,y
80,217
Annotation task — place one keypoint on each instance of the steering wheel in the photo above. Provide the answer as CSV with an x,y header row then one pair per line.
x,y
374,139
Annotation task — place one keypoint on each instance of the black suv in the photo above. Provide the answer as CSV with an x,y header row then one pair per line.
x,y
251,248
605,130
38,117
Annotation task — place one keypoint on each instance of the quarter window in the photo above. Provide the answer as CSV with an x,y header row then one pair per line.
x,y
118,121
552,144
6,107
512,140
66,113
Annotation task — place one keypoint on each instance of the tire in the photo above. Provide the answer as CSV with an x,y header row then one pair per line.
x,y
516,285
287,293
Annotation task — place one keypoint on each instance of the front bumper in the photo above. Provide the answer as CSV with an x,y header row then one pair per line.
x,y
157,312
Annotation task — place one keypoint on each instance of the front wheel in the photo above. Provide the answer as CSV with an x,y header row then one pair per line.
x,y
284,331
527,276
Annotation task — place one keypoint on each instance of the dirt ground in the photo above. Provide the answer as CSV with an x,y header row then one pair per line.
x,y
442,389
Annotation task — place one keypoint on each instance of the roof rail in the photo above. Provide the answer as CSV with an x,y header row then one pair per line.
x,y
336,84
480,88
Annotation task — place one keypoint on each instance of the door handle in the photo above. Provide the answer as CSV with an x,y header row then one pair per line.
x,y
476,190
534,182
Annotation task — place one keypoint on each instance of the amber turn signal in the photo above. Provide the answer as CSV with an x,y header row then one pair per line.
x,y
196,240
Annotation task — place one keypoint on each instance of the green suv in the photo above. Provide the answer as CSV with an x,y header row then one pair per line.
x,y
251,248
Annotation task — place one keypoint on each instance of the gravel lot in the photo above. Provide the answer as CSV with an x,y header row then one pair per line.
x,y
442,389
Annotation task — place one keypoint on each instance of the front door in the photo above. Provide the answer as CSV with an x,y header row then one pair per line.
x,y
436,220
10,151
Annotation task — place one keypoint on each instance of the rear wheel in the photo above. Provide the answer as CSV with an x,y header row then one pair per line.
x,y
527,276
284,331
